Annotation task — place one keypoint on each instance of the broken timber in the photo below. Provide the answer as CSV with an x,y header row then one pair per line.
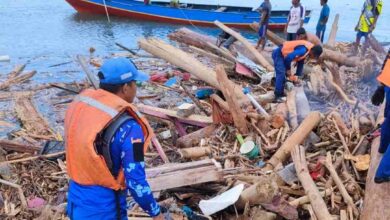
x,y
171,176
17,80
18,147
332,36
197,120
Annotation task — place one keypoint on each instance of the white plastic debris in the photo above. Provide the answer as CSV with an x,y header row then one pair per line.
x,y
222,201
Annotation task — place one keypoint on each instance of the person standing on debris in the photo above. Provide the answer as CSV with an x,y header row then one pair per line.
x,y
324,16
284,55
383,171
265,11
367,20
106,138
312,38
295,21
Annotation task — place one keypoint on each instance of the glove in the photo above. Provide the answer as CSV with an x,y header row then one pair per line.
x,y
379,96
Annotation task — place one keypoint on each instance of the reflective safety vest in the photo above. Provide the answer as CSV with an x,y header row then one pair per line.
x,y
368,15
289,47
87,117
384,77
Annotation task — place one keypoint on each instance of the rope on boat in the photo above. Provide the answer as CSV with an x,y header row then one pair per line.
x,y
105,7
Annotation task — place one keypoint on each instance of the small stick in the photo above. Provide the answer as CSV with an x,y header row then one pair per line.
x,y
20,191
192,97
261,133
305,199
33,158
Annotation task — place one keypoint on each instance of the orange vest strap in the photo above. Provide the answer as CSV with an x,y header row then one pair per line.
x,y
96,104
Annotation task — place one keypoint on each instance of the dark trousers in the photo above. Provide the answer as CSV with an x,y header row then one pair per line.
x,y
320,33
384,166
280,72
291,36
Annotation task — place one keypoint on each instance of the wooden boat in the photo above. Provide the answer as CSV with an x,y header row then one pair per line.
x,y
234,13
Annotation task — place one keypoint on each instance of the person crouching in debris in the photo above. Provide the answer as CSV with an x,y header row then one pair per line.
x,y
284,55
106,138
225,39
383,171
312,38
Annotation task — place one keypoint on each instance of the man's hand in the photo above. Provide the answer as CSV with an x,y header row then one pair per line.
x,y
159,217
371,29
288,73
356,28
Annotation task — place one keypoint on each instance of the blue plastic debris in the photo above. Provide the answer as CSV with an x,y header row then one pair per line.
x,y
172,81
204,93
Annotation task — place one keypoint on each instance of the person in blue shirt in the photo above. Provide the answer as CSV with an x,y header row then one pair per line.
x,y
284,55
324,16
383,93
120,143
265,11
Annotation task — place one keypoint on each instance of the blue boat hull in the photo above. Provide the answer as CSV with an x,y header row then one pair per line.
x,y
138,10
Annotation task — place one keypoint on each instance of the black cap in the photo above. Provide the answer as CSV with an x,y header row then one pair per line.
x,y
316,51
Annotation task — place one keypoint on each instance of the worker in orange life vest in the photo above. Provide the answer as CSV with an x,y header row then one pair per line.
x,y
284,55
382,92
106,138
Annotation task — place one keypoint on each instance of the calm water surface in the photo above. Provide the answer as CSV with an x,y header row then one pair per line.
x,y
45,33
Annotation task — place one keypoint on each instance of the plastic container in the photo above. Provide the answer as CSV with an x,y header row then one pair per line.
x,y
249,149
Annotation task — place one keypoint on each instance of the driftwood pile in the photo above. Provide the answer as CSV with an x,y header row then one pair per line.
x,y
314,150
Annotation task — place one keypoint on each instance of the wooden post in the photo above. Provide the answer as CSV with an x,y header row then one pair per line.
x,y
318,204
235,109
299,135
248,45
90,76
332,36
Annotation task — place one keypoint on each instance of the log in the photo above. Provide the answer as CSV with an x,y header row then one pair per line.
x,y
194,152
376,196
316,201
340,185
333,32
212,56
225,86
197,120
299,135
159,149
33,122
194,138
374,43
16,71
90,76
5,96
18,147
248,45
263,191
280,115
189,37
17,80
186,62
292,109
171,176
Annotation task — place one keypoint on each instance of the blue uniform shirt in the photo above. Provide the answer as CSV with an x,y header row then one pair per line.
x,y
126,146
325,11
298,52
387,104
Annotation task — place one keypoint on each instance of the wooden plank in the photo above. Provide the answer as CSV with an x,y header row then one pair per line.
x,y
198,120
18,147
185,178
17,80
90,75
332,36
178,166
194,138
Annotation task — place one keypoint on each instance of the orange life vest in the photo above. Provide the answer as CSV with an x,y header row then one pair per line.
x,y
87,116
289,47
384,77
